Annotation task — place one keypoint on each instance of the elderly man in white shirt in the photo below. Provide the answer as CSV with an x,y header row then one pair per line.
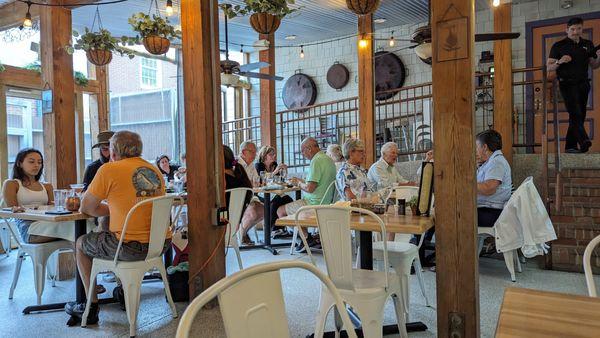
x,y
383,172
246,157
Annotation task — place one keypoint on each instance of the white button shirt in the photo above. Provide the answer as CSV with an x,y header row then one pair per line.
x,y
250,170
385,175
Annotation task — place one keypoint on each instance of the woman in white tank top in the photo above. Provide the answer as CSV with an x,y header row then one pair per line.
x,y
25,189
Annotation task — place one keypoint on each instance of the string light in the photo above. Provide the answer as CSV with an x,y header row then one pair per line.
x,y
241,49
27,22
302,52
392,42
169,8
363,43
496,3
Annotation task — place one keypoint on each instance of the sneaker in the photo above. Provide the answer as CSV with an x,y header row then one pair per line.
x,y
281,233
77,309
573,151
586,146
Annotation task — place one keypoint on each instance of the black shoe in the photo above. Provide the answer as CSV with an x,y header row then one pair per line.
x,y
573,151
280,234
119,295
77,309
586,146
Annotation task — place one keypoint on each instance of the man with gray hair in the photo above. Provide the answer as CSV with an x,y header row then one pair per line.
x,y
321,174
116,188
383,172
246,156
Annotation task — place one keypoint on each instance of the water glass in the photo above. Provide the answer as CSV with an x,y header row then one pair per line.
x,y
166,180
178,186
262,177
60,197
283,174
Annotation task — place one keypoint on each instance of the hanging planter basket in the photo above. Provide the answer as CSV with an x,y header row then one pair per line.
x,y
156,45
99,57
362,7
264,23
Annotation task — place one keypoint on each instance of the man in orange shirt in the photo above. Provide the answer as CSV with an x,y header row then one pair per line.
x,y
116,188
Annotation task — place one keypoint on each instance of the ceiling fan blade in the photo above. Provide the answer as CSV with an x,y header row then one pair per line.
x,y
496,36
260,76
254,65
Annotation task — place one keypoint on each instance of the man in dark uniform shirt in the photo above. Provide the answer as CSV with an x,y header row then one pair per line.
x,y
571,58
92,168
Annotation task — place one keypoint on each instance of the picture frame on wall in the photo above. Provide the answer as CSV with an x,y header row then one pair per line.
x,y
47,101
425,189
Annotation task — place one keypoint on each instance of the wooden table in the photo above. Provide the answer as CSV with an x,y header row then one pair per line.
x,y
268,223
532,313
365,225
80,220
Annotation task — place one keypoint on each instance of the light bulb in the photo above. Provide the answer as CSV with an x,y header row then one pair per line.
x,y
27,22
169,8
301,53
362,43
392,42
496,3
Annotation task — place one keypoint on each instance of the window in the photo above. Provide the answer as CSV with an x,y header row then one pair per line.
x,y
150,73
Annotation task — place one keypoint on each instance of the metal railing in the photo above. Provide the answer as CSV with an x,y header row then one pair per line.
x,y
239,130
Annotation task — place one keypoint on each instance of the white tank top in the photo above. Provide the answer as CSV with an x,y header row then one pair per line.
x,y
27,197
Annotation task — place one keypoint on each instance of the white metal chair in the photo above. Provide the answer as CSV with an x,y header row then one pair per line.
x,y
5,233
366,291
323,202
510,257
237,197
252,303
587,266
132,273
39,253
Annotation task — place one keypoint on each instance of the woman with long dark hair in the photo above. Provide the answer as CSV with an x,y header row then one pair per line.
x,y
26,189
235,177
163,162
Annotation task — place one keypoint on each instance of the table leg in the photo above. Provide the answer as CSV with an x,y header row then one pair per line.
x,y
267,219
80,230
365,239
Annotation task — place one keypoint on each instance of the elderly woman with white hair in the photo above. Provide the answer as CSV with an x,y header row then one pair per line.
x,y
351,180
383,172
335,152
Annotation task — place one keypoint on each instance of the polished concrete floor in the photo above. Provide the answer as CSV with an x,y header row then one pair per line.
x,y
300,290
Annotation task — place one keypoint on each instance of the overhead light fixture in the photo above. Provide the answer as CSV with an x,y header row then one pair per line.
x,y
169,8
229,79
496,3
423,50
380,20
302,52
566,4
392,42
260,45
27,22
290,37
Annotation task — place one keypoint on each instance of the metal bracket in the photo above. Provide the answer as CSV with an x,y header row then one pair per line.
x,y
456,328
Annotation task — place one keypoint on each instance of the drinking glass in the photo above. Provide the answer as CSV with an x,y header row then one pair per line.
x,y
283,174
178,186
166,180
60,196
262,177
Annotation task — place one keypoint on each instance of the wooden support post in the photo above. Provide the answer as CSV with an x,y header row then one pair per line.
x,y
455,190
366,88
57,71
199,21
267,94
503,94
103,98
79,137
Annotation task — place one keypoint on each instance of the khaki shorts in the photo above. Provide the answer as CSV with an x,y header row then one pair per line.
x,y
292,208
103,245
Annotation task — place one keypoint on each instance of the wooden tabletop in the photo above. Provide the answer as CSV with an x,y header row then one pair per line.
x,y
404,224
532,313
40,215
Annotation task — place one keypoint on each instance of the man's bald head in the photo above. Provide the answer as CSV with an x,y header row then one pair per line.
x,y
309,147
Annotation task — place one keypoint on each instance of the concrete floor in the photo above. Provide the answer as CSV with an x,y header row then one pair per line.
x,y
300,290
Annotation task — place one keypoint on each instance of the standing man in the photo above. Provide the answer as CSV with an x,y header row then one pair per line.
x,y
571,58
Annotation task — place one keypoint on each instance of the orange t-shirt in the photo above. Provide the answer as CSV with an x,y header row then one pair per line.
x,y
123,184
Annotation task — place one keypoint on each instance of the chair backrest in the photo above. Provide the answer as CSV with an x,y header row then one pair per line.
x,y
334,230
325,200
12,227
252,303
237,199
160,221
587,266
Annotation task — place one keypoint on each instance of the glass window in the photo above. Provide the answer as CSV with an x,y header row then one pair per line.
x,y
20,47
149,70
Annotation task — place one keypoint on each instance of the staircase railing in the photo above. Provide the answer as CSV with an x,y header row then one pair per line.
x,y
557,168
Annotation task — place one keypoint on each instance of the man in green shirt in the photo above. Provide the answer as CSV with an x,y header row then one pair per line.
x,y
321,174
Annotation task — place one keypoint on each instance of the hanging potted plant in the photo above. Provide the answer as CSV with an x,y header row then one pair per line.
x,y
154,31
100,45
362,7
265,15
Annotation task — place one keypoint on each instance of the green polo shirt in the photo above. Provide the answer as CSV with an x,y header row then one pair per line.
x,y
322,171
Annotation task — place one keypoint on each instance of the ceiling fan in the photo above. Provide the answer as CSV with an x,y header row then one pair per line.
x,y
231,70
422,38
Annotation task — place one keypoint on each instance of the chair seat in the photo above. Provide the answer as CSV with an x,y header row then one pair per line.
x,y
396,247
367,281
109,264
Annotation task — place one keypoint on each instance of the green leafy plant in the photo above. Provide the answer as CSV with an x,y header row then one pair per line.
x,y
35,65
146,25
101,40
279,8
2,68
80,79
413,202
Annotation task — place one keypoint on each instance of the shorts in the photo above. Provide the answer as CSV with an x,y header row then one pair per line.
x,y
103,245
293,207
